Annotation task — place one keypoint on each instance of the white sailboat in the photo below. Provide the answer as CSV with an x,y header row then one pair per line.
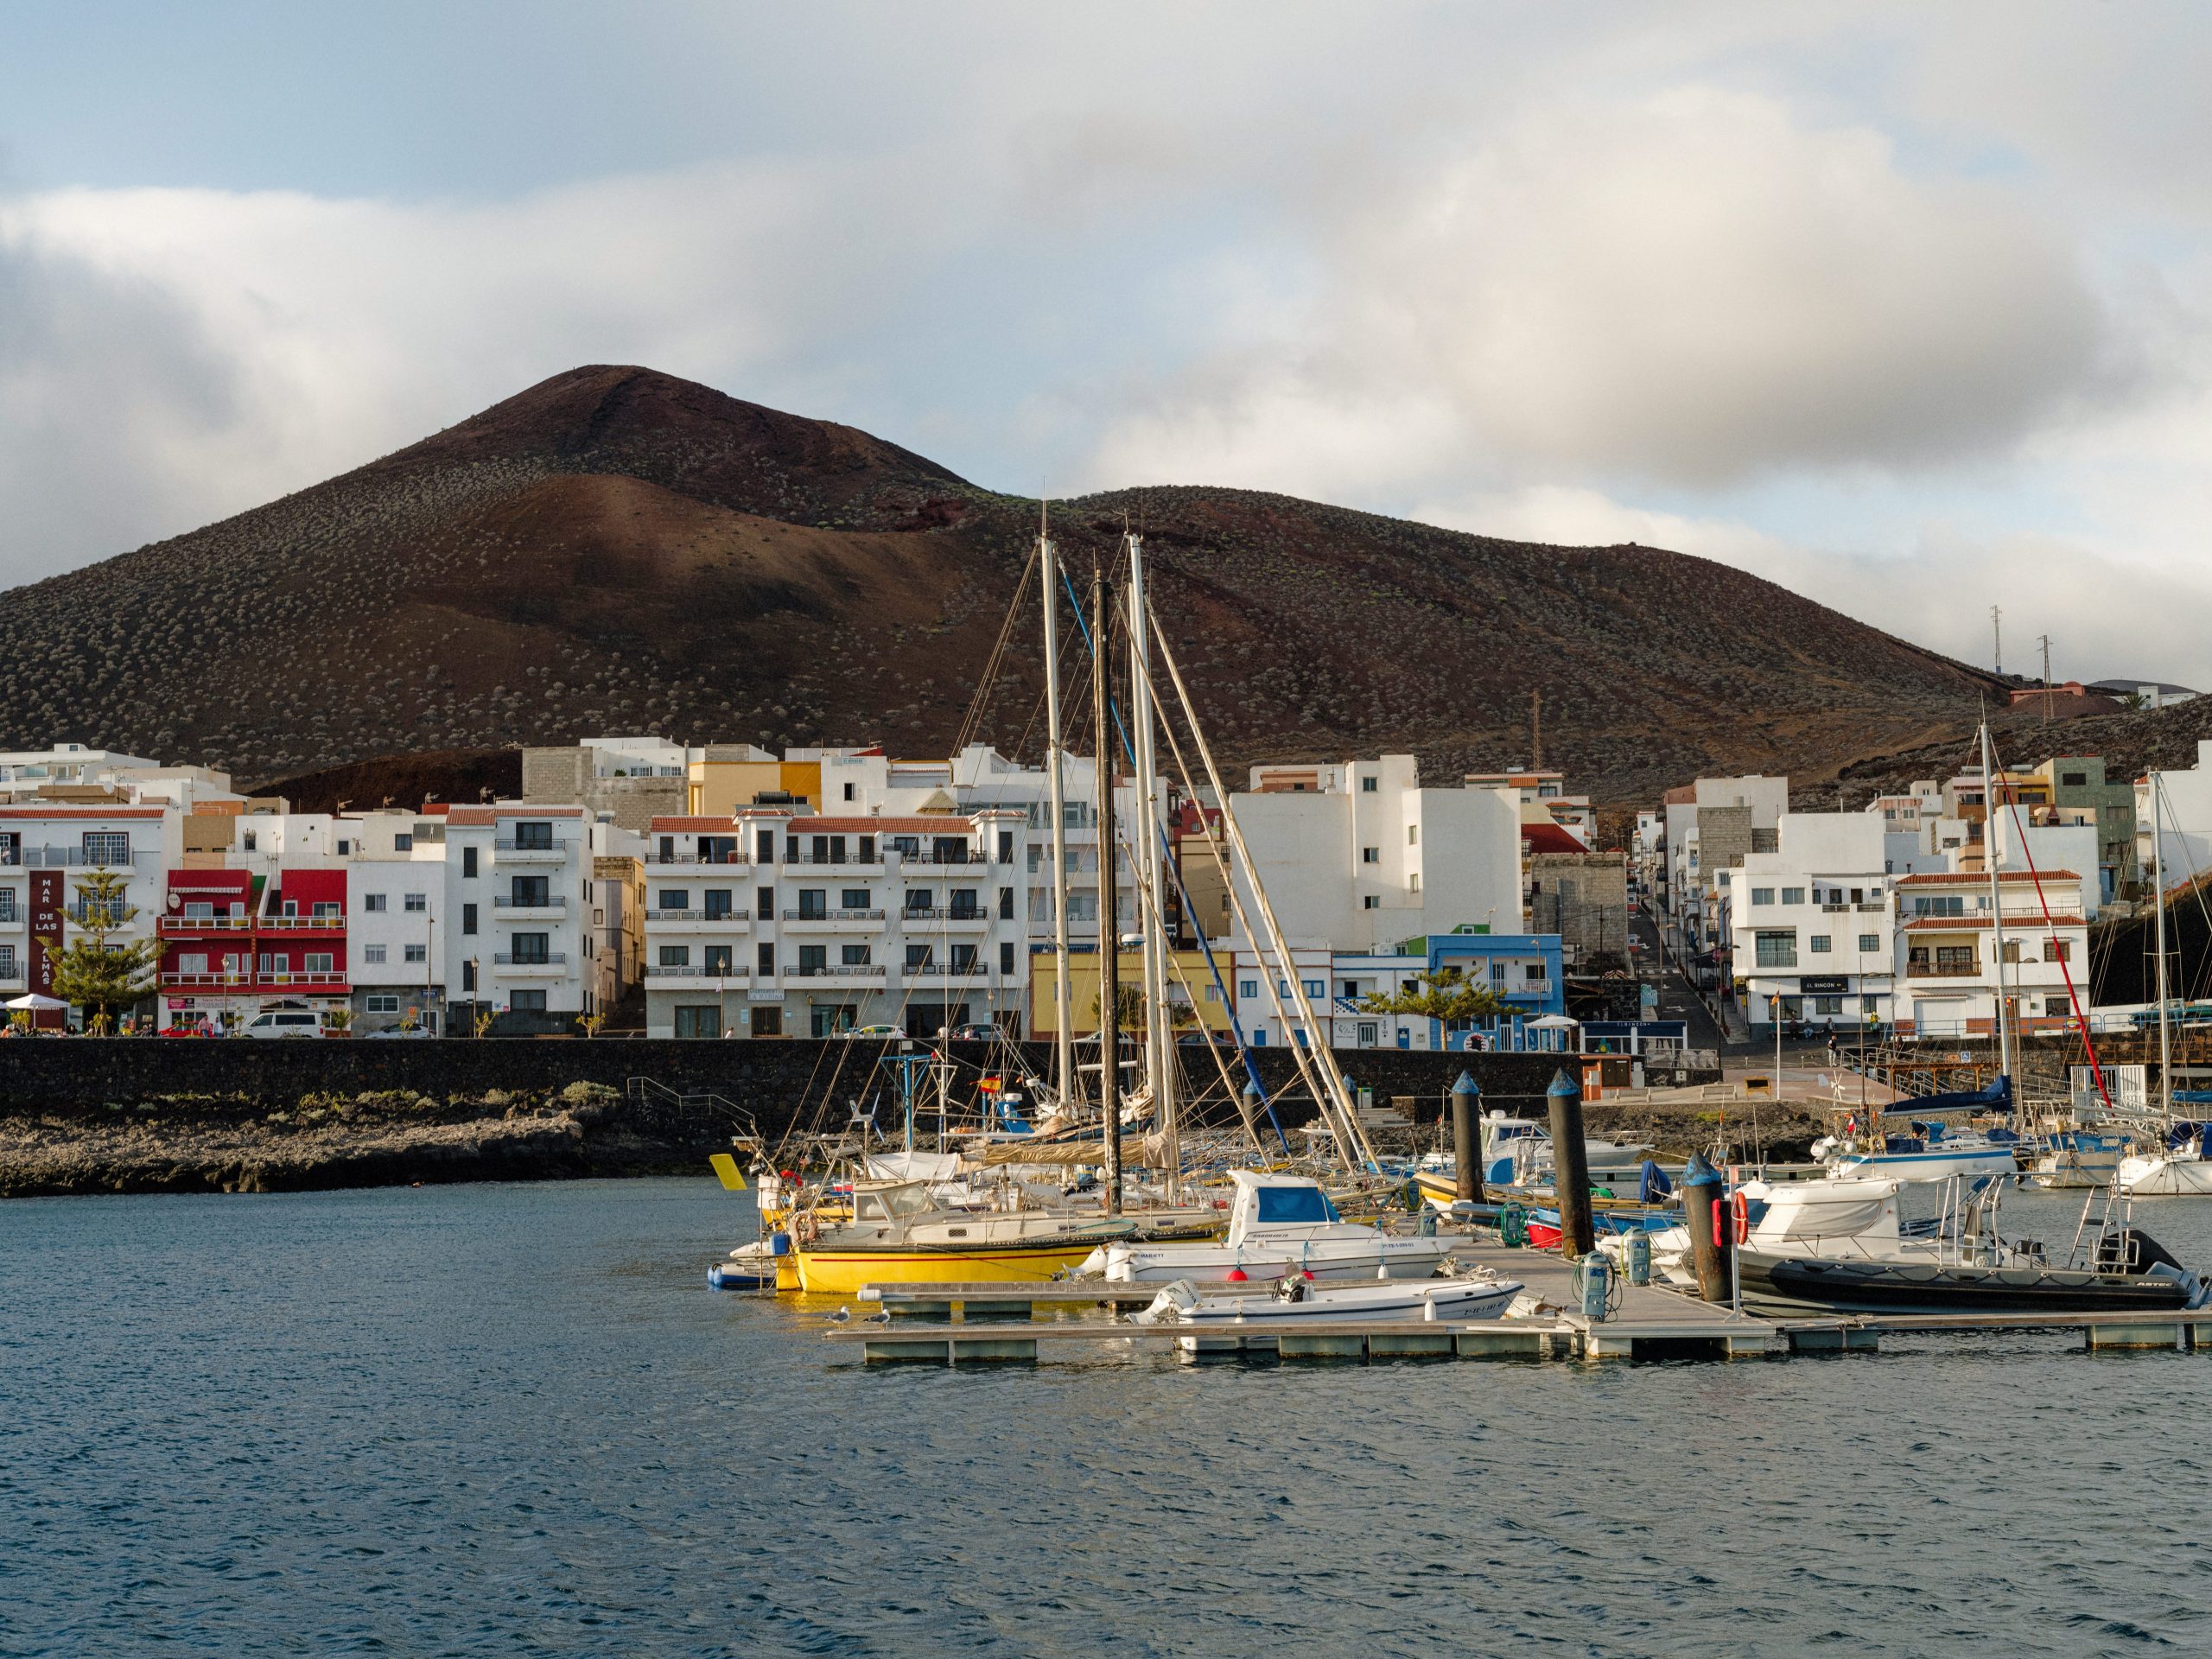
x,y
2181,1170
1278,1226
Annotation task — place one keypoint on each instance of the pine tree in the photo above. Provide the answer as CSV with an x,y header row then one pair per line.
x,y
1446,996
91,971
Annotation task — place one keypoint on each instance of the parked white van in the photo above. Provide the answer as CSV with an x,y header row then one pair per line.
x,y
285,1022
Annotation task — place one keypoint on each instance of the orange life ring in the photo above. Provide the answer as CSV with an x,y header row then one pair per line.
x,y
1740,1208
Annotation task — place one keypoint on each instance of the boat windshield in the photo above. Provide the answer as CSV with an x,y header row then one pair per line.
x,y
1294,1204
891,1202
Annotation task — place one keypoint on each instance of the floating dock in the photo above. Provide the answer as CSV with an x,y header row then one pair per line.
x,y
1649,1323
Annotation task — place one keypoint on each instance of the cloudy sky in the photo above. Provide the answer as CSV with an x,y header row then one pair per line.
x,y
1909,308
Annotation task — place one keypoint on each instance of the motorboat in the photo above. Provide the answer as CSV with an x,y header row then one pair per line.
x,y
1842,1245
1278,1225
1478,1295
2182,1171
899,1235
1932,1150
2077,1158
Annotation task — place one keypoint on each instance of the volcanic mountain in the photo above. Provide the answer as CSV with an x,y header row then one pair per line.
x,y
614,549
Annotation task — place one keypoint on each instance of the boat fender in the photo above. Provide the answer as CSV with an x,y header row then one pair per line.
x,y
1237,1276
779,1243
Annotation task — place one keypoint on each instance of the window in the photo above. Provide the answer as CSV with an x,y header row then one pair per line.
x,y
719,959
532,947
813,905
674,899
372,955
1370,902
400,843
469,977
1006,957
2056,1006
469,860
1349,987
1777,950
856,956
767,1022
1294,1204
1869,942
375,903
1535,971
917,959
1793,895
1497,971
1367,786
1245,986
1370,854
2073,780
1412,882
719,901
322,961
537,837
106,846
1006,904
2057,951
813,958
530,893
963,958
191,961
764,852
468,919
1413,834
1006,846
1314,987
854,899
381,1004
849,792
1831,1004
1870,1005
527,1001
1818,944
417,903
418,953
345,849
765,962
2011,950
964,907
921,901
676,956
247,838
1941,904
764,903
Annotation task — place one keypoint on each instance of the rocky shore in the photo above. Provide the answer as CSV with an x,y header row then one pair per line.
x,y
205,1144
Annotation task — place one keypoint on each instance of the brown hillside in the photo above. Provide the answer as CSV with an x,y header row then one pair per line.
x,y
616,549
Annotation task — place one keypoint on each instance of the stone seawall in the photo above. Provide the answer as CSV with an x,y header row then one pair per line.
x,y
90,1114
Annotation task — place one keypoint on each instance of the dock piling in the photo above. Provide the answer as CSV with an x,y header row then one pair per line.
x,y
1571,1169
1701,1201
1466,1142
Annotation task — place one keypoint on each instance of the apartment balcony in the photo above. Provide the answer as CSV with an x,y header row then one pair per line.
x,y
697,860
691,977
972,857
60,858
929,971
962,918
517,852
298,923
198,927
698,921
506,908
1877,908
1942,969
13,921
838,973
832,920
328,980
830,861
553,965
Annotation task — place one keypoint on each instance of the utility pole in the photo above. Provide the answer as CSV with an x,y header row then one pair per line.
x,y
1109,927
1997,631
2045,642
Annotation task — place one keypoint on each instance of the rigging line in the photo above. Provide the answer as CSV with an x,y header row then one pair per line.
x,y
1221,988
979,704
1997,923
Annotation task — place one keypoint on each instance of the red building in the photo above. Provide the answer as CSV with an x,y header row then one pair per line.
x,y
230,946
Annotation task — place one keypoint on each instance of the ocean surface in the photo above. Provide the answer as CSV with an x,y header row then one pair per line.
x,y
513,1420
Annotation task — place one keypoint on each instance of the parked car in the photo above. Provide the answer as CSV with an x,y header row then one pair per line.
x,y
975,1033
401,1033
285,1022
879,1033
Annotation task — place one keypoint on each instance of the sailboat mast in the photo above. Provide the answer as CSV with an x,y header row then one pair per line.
x,y
1055,760
1109,930
1990,791
1160,1037
2158,898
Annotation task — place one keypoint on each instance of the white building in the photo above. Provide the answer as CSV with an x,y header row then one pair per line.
x,y
1358,858
47,852
779,922
519,896
2185,820
1950,970
1810,924
395,903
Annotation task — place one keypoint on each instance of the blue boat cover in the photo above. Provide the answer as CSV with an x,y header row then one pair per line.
x,y
1997,1097
1653,1184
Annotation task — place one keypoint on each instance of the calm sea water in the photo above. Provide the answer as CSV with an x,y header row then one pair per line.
x,y
512,1420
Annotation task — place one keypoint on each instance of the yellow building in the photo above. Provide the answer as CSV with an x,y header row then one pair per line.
x,y
719,787
1186,967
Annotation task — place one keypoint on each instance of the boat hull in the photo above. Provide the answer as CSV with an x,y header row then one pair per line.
x,y
843,1272
1398,1258
2165,1178
1782,1284
1450,1302
1924,1165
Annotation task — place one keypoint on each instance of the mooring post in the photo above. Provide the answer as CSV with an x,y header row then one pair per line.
x,y
1466,1142
1702,1204
1571,1169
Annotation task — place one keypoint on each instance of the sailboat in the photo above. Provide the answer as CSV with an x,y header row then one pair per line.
x,y
2181,1168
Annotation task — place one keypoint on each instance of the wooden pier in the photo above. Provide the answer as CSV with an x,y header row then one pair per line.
x,y
931,1323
